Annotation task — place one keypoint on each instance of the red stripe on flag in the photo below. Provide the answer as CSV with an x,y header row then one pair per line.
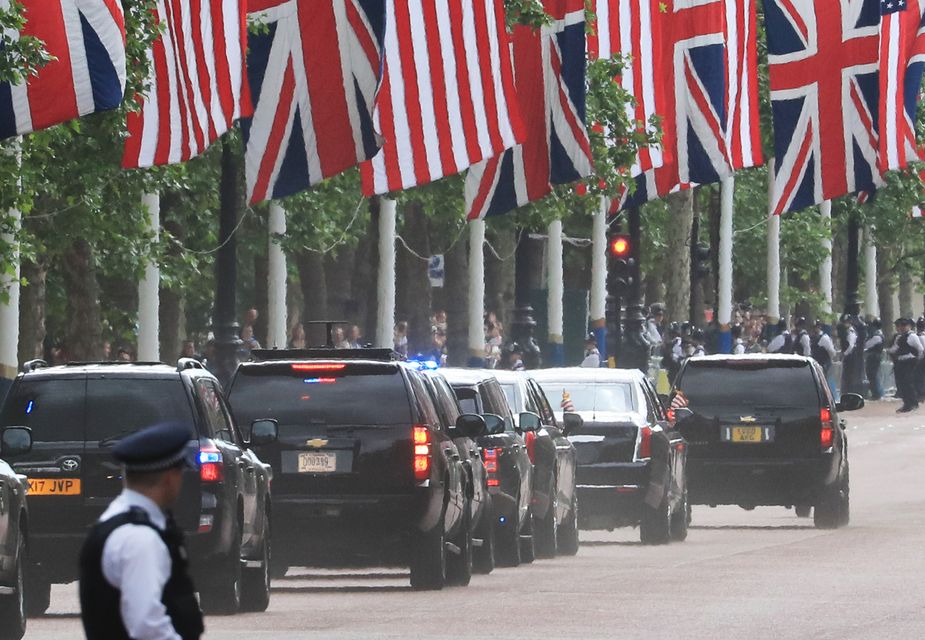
x,y
798,168
135,124
438,90
246,105
486,186
367,41
161,98
412,106
275,141
507,73
528,58
184,91
488,86
223,79
704,107
56,78
205,87
575,125
466,105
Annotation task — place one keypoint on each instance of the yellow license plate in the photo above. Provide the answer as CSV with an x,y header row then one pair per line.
x,y
317,462
746,434
54,486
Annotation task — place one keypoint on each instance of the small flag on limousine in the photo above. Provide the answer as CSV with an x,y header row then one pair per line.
x,y
567,402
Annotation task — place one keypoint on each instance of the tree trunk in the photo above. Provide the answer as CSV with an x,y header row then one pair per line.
x,y
32,311
261,296
499,275
839,267
886,288
314,296
412,297
698,280
338,272
456,300
366,266
906,291
678,271
84,326
169,313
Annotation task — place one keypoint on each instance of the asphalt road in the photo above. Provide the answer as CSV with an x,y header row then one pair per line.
x,y
758,574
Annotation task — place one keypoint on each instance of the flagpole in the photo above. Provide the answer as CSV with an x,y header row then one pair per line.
x,y
9,312
385,321
725,264
477,291
825,269
149,348
871,298
276,279
599,278
555,276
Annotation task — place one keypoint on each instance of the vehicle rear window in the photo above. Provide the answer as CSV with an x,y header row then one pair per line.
x,y
119,406
710,385
354,395
510,392
53,409
614,397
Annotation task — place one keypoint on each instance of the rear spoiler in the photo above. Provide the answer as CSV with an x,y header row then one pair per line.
x,y
326,353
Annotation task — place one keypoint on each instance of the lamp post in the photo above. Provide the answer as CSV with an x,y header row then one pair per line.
x,y
853,365
523,326
635,347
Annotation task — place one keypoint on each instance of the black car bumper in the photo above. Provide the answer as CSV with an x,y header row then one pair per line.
x,y
611,495
758,482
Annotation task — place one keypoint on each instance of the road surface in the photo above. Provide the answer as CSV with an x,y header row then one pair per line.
x,y
758,574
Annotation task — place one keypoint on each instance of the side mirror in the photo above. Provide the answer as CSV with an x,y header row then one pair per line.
x,y
494,424
680,414
264,431
571,422
470,425
16,441
529,421
850,402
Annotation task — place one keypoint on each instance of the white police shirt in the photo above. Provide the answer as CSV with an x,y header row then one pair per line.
x,y
137,563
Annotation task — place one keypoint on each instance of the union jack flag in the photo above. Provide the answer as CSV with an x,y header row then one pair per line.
x,y
87,75
824,57
313,77
902,61
447,98
197,88
549,67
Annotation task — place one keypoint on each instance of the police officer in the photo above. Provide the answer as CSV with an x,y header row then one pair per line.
x,y
802,345
134,582
873,355
654,325
783,341
672,351
592,355
850,352
905,351
920,367
738,345
823,352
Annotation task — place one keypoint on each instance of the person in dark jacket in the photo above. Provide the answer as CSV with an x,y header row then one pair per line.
x,y
134,579
873,355
905,351
823,352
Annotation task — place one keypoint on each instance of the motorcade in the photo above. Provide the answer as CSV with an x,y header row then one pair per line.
x,y
554,458
77,412
14,527
364,472
465,431
763,429
631,459
510,472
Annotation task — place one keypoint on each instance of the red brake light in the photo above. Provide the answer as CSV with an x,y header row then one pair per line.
x,y
827,432
645,444
825,414
530,439
318,366
421,437
210,465
490,458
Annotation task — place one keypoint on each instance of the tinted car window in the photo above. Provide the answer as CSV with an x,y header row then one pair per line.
x,y
708,385
360,395
121,406
468,399
545,410
53,409
616,397
211,400
425,404
446,400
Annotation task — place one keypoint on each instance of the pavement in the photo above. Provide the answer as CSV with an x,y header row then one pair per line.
x,y
758,574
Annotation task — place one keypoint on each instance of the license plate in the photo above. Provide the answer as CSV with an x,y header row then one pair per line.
x,y
54,486
746,434
317,462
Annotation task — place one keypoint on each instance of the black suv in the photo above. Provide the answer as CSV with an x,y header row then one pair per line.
x,y
764,430
364,472
14,525
510,472
77,412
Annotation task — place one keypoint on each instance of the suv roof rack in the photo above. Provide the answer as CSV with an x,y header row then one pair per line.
x,y
188,363
32,365
79,363
326,353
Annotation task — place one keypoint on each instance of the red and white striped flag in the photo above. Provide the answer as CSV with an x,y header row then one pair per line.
x,y
197,87
566,404
902,61
447,98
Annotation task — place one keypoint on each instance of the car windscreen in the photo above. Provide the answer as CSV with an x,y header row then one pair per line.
x,y
53,409
616,397
753,384
348,395
117,407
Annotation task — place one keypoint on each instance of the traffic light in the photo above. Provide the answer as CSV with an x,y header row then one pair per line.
x,y
621,264
701,260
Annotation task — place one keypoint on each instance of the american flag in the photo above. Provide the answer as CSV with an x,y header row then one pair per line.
x,y
87,40
823,57
197,87
447,98
902,60
632,28
566,404
313,77
549,66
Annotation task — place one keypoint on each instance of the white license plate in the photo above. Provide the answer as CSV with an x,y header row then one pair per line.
x,y
317,462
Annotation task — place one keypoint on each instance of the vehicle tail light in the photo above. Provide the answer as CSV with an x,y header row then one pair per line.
x,y
302,367
669,413
210,464
422,458
490,458
645,444
530,439
827,433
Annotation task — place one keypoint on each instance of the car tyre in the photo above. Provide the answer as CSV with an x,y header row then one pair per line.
x,y
680,520
428,560
222,596
655,526
567,541
507,539
255,583
13,607
459,566
832,509
526,540
483,556
38,592
545,533
803,510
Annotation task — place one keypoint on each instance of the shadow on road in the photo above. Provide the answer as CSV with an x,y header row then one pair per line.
x,y
611,543
344,589
345,576
60,616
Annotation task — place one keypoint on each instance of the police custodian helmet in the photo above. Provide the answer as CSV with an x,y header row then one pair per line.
x,y
156,448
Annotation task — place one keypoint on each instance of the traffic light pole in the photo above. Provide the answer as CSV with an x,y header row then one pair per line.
x,y
616,288
635,348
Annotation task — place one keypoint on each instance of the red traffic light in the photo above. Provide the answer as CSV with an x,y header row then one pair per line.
x,y
620,246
